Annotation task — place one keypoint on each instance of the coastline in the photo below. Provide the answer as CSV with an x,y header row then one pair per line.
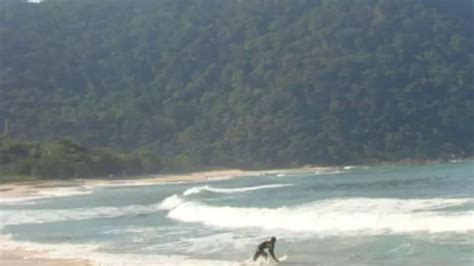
x,y
24,254
31,190
18,253
23,257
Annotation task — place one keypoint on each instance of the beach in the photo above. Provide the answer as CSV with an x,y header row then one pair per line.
x,y
349,215
19,191
15,253
22,257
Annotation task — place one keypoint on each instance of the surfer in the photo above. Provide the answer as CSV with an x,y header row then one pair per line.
x,y
267,244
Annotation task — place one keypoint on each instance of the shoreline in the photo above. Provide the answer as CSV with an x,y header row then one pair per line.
x,y
24,257
30,190
18,253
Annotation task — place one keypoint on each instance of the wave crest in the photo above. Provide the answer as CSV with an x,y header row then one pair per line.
x,y
170,202
196,190
337,216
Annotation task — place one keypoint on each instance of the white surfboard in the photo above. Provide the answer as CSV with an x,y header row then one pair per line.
x,y
282,258
262,261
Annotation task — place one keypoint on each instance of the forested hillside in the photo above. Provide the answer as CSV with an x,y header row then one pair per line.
x,y
254,83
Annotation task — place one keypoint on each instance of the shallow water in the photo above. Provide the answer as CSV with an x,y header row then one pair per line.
x,y
385,215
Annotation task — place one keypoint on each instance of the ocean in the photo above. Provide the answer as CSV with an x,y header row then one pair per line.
x,y
353,215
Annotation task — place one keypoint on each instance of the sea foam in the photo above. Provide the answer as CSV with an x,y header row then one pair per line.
x,y
46,194
91,252
337,216
195,190
170,202
35,216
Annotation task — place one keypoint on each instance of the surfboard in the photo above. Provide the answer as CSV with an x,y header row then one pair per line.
x,y
263,261
282,258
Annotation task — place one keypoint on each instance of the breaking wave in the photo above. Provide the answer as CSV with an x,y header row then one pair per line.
x,y
195,190
170,202
336,216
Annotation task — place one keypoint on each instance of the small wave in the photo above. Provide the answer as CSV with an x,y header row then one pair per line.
x,y
195,190
305,172
15,217
170,202
337,216
335,172
130,183
46,194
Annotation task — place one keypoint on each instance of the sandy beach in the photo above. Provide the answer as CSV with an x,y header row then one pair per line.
x,y
15,253
19,191
21,257
341,201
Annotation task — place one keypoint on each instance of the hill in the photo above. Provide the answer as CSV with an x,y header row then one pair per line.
x,y
242,83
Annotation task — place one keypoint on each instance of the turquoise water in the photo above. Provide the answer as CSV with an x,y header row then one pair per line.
x,y
385,215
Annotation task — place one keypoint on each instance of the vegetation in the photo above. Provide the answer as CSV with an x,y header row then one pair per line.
x,y
66,159
232,83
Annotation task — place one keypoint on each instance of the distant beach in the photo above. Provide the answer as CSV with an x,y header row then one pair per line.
x,y
19,191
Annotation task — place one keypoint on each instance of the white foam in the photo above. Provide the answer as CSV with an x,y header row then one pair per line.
x,y
352,167
105,259
335,172
207,243
309,172
14,217
90,252
337,216
127,183
46,193
170,202
195,190
150,231
304,172
64,192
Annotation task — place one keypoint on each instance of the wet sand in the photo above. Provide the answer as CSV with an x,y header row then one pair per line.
x,y
55,188
19,191
12,254
22,257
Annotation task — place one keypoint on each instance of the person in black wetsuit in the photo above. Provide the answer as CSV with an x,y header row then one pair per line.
x,y
267,244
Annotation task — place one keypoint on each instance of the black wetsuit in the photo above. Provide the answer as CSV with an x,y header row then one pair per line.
x,y
270,245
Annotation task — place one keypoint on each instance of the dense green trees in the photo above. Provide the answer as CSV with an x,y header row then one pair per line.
x,y
66,159
239,83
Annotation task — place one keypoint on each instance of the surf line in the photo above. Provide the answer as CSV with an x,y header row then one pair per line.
x,y
196,190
